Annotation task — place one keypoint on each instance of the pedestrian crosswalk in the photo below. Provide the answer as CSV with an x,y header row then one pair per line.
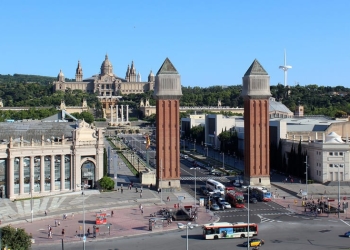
x,y
264,219
204,178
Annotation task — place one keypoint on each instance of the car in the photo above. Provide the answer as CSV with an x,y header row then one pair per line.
x,y
225,204
253,200
215,207
204,190
254,242
347,234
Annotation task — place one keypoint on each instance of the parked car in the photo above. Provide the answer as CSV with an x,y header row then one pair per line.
x,y
254,243
215,207
225,204
204,190
253,200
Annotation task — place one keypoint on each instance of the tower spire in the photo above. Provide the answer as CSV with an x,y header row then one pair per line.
x,y
285,68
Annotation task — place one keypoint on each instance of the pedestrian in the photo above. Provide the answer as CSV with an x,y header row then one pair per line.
x,y
278,195
121,189
158,190
63,232
72,215
141,189
55,223
112,213
76,234
50,234
45,212
136,190
168,198
141,210
141,195
88,232
151,186
59,223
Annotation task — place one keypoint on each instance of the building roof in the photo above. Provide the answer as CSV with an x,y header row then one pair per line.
x,y
255,69
35,129
167,68
278,106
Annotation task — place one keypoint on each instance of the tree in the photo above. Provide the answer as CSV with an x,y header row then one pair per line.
x,y
15,238
106,183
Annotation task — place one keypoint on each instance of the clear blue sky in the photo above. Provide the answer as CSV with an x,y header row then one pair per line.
x,y
209,42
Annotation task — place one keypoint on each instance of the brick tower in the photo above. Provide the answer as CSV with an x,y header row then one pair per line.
x,y
256,94
167,92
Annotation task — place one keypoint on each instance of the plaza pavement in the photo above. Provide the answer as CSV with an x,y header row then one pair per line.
x,y
126,221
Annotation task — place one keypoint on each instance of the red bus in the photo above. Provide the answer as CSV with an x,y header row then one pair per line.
x,y
236,199
226,230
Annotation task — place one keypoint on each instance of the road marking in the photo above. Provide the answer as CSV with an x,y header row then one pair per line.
x,y
345,222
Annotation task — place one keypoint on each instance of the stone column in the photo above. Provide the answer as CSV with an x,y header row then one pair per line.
x,y
42,174
122,114
111,114
52,173
31,176
21,176
63,177
127,113
11,183
116,112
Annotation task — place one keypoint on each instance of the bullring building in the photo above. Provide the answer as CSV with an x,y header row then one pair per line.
x,y
52,156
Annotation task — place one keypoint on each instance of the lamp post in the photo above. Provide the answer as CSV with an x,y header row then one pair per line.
x,y
188,226
195,186
338,166
31,199
248,188
194,145
223,160
306,167
83,193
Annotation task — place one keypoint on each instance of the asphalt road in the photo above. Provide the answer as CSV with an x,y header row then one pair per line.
x,y
310,235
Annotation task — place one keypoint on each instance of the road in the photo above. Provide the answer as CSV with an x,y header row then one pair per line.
x,y
311,235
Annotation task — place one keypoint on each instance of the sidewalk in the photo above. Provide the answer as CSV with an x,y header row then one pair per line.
x,y
126,221
293,198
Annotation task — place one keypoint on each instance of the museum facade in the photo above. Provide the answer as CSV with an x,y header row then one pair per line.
x,y
40,158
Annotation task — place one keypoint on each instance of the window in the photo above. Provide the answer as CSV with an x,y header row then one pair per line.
x,y
331,153
341,153
330,165
336,153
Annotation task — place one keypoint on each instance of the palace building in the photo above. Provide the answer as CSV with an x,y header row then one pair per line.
x,y
107,84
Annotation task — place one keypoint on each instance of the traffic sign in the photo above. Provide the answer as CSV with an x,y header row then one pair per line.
x,y
84,238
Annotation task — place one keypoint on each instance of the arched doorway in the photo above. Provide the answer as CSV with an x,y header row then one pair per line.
x,y
88,174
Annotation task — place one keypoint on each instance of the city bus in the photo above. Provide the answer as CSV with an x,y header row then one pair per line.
x,y
236,199
224,230
261,194
215,185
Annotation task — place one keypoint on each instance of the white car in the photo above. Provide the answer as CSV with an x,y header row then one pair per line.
x,y
225,204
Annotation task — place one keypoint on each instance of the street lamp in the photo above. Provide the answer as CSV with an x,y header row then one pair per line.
x,y
195,186
223,160
248,188
306,167
83,193
338,166
194,145
188,225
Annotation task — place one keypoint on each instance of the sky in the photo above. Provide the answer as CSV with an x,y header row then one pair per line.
x,y
210,43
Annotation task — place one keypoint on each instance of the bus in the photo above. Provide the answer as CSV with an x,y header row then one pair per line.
x,y
215,185
224,230
261,193
236,199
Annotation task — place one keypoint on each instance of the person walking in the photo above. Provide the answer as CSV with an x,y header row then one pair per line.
x,y
121,189
112,213
63,232
45,212
88,232
141,195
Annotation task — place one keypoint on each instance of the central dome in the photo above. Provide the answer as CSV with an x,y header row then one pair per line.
x,y
106,67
